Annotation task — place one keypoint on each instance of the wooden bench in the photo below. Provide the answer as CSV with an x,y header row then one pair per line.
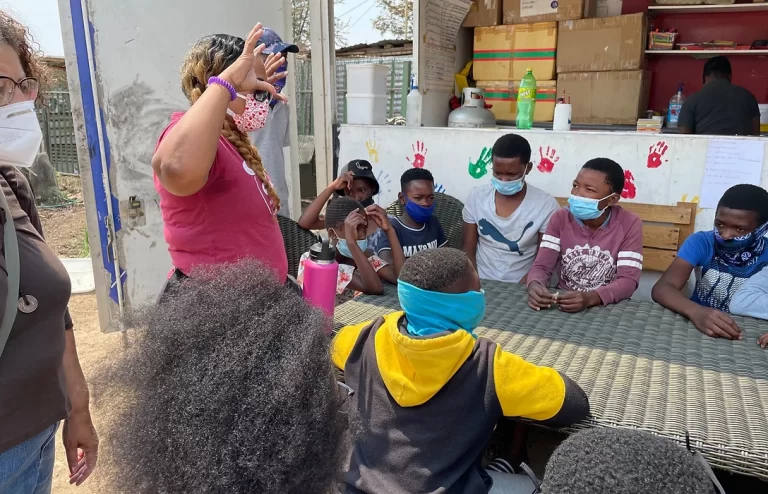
x,y
665,228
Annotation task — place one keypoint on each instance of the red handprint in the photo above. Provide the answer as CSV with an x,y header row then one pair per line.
x,y
656,154
419,155
629,191
548,160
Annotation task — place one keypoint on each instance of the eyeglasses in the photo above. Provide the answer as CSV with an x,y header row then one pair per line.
x,y
29,87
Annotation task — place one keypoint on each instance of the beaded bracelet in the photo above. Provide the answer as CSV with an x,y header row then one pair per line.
x,y
221,82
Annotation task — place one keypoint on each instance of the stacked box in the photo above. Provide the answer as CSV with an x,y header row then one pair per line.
x,y
618,97
527,11
483,13
502,56
504,53
600,66
502,95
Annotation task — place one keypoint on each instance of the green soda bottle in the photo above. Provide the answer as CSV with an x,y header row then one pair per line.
x,y
526,101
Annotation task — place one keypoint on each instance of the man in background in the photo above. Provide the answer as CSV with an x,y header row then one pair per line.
x,y
275,135
720,108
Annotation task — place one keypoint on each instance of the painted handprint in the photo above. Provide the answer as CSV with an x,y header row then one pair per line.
x,y
419,155
439,188
373,150
656,154
385,184
480,167
548,160
629,191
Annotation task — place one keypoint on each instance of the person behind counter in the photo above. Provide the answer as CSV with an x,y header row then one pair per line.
x,y
724,259
360,270
420,376
505,220
720,108
597,244
417,228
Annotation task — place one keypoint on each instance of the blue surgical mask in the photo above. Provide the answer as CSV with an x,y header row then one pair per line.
x,y
585,208
418,213
430,312
343,248
508,188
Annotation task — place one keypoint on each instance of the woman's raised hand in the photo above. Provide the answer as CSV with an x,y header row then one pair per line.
x,y
242,74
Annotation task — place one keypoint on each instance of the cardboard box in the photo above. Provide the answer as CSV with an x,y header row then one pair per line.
x,y
613,98
504,53
484,13
503,96
527,11
610,43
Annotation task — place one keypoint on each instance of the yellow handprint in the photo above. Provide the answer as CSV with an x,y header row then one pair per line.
x,y
373,150
695,200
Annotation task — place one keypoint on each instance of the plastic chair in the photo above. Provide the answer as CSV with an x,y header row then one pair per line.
x,y
297,241
448,211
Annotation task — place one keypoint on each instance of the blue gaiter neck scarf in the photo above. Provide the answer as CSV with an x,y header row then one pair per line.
x,y
430,313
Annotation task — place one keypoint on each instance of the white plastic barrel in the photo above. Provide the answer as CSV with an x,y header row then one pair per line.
x,y
81,274
368,78
367,94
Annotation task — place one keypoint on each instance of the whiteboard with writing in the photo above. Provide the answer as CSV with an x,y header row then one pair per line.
x,y
728,163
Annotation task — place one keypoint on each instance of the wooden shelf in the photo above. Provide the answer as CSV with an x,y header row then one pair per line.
x,y
695,53
708,9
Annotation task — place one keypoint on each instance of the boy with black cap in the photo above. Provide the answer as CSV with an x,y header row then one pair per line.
x,y
355,180
275,135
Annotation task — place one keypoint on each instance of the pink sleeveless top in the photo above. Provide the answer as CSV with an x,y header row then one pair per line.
x,y
231,218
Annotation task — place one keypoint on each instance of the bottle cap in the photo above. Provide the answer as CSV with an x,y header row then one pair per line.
x,y
322,252
529,70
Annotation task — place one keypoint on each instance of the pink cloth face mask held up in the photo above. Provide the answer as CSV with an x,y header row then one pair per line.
x,y
254,117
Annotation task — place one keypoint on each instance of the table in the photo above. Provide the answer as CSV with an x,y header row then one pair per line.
x,y
643,367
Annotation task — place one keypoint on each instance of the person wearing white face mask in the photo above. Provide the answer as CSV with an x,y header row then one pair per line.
x,y
217,201
41,382
597,245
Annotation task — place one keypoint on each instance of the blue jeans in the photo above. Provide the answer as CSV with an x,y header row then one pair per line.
x,y
28,467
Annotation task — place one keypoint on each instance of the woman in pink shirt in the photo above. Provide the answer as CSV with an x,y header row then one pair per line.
x,y
217,202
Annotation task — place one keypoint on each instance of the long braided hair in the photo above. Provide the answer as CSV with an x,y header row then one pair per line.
x,y
209,57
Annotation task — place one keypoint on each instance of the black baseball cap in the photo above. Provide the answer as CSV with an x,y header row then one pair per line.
x,y
361,169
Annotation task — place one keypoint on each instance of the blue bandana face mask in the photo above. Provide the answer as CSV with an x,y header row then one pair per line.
x,y
418,213
741,251
508,188
343,248
430,313
585,208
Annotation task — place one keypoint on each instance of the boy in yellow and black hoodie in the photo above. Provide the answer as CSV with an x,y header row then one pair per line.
x,y
429,392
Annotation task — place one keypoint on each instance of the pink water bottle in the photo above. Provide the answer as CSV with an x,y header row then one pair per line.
x,y
320,273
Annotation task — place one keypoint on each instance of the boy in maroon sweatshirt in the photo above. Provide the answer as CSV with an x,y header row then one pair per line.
x,y
596,246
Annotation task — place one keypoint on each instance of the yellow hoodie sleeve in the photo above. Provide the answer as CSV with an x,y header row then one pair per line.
x,y
538,393
343,343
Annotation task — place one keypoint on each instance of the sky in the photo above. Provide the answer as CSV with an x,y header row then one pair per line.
x,y
42,18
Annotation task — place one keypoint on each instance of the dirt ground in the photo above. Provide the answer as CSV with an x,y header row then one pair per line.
x,y
65,230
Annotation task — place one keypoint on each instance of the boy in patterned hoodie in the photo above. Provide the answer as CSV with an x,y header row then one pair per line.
x,y
429,392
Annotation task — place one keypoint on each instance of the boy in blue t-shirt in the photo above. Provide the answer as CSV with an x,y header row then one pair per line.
x,y
417,229
724,259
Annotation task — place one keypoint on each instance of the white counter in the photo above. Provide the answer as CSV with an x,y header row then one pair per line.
x,y
674,175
